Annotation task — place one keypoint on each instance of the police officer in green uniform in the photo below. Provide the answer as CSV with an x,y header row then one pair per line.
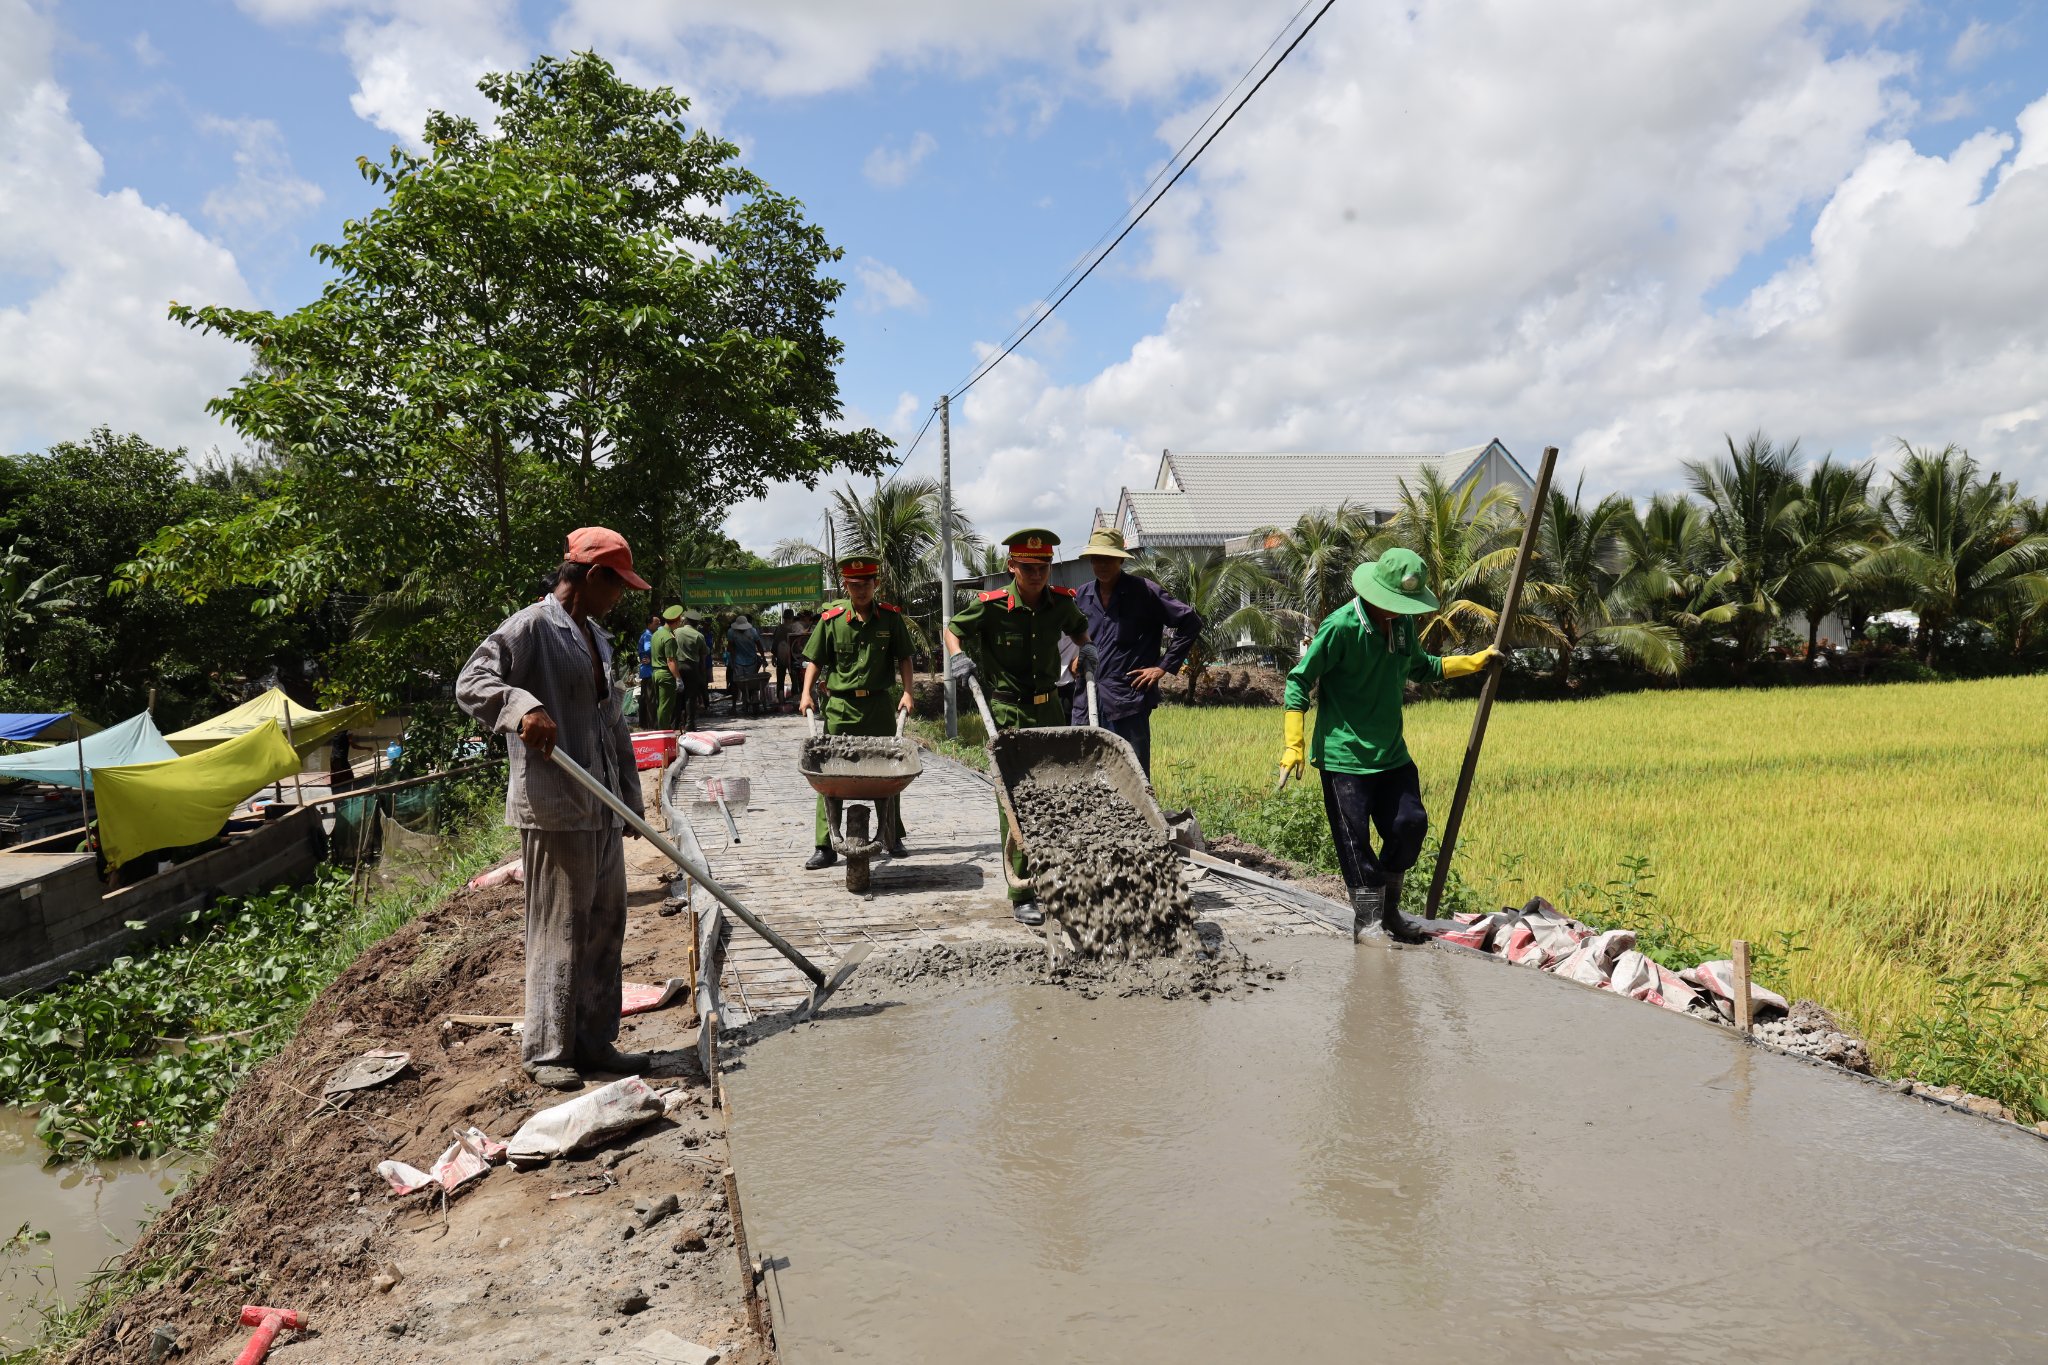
x,y
860,647
1010,638
664,653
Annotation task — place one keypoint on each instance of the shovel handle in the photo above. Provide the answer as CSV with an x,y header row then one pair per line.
x,y
696,870
1094,707
988,720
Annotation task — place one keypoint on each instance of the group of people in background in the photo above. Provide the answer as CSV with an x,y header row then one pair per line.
x,y
680,648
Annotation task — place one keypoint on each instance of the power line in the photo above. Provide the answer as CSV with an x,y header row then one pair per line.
x,y
1165,166
920,435
1036,322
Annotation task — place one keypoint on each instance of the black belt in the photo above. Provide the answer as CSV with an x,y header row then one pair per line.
x,y
1017,699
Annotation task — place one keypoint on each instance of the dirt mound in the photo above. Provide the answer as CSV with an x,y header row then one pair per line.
x,y
290,1211
1232,849
1226,686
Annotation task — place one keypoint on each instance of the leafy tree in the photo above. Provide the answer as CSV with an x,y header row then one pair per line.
x,y
1958,552
1225,589
586,313
29,600
1580,589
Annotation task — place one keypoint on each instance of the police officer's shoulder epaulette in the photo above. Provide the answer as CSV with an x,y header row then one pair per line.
x,y
1064,592
890,606
996,595
831,612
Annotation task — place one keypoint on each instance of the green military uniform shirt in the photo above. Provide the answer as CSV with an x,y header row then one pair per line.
x,y
1017,652
860,663
1360,676
687,648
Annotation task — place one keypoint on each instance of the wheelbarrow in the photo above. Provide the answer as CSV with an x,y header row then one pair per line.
x,y
850,770
1062,753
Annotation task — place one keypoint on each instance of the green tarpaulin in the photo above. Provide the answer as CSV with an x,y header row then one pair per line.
x,y
273,708
752,587
182,801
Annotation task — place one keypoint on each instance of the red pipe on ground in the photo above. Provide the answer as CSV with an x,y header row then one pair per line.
x,y
268,1322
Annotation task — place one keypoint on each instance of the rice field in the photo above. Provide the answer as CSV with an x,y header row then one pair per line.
x,y
1896,833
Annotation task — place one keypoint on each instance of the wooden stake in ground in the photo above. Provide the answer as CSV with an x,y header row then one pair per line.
x,y
84,790
739,1241
1743,1012
1509,605
298,792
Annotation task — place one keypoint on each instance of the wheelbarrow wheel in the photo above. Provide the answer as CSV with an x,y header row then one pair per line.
x,y
859,868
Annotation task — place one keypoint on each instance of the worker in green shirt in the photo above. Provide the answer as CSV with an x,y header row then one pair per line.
x,y
861,648
663,654
685,662
1359,664
1010,638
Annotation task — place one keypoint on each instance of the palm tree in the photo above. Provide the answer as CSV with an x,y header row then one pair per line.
x,y
1309,564
1225,590
1958,552
1756,509
1467,542
897,524
1580,588
26,602
1668,556
1838,526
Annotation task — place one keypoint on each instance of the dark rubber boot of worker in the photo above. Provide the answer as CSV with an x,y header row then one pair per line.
x,y
897,850
821,857
607,1057
1027,912
1393,921
1368,912
553,1077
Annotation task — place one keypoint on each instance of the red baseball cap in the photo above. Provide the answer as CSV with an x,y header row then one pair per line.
x,y
602,545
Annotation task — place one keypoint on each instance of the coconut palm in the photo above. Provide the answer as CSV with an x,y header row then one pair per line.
x,y
1838,526
1957,551
896,523
1467,542
1669,569
1225,590
1309,564
1578,586
1756,514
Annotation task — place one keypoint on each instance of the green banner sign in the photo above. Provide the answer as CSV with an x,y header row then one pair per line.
x,y
752,587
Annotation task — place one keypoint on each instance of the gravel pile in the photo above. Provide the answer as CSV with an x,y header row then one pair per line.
x,y
1101,869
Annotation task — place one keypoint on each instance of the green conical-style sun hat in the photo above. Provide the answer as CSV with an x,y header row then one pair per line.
x,y
1395,582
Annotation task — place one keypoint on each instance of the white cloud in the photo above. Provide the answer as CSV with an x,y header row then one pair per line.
x,y
147,53
892,166
90,343
883,287
266,193
1977,41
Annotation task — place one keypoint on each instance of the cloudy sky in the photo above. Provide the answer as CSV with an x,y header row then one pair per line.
x,y
1618,227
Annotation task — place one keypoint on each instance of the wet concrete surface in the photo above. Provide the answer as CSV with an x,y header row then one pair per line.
x,y
1391,1155
1100,868
90,1209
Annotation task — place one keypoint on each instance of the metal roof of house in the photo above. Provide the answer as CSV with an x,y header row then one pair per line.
x,y
1207,497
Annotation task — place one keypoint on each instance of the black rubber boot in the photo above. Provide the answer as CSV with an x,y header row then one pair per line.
x,y
1368,912
1392,920
896,849
607,1057
1027,912
821,856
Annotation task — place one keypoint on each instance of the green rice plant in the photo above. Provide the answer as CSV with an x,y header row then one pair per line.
x,y
1985,1034
1867,842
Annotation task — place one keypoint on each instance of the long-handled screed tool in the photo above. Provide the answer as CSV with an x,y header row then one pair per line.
x,y
821,985
1508,606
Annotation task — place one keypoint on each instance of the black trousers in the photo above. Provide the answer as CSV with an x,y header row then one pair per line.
x,y
1390,802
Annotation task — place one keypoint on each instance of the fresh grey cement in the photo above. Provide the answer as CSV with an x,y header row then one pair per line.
x,y
1413,1156
1100,868
881,754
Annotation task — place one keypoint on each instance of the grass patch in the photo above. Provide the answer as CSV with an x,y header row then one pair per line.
x,y
235,979
1877,843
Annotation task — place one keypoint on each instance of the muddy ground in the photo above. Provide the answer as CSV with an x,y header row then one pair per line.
x,y
503,1273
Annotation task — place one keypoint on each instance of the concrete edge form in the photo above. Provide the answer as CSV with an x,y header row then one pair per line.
x,y
711,925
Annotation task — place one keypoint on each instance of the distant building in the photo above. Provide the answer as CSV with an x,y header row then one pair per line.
x,y
1216,500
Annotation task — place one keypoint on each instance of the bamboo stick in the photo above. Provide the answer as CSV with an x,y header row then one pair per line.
x,y
1530,524
1743,1006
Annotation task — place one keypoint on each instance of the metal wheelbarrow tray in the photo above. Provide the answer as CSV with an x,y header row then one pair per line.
x,y
1070,753
859,767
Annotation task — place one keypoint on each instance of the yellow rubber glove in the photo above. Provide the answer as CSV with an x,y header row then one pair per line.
x,y
1294,755
1458,665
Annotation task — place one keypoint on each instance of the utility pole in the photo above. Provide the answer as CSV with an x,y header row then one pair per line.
x,y
946,562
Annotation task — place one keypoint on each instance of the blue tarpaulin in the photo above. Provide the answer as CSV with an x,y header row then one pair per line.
x,y
134,740
31,728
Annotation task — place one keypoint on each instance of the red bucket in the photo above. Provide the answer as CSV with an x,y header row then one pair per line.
x,y
653,748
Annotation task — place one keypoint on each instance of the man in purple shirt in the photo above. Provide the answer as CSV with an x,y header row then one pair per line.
x,y
1126,618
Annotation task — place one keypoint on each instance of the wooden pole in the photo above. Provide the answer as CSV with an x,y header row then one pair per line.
x,y
1742,1001
1509,605
84,791
298,792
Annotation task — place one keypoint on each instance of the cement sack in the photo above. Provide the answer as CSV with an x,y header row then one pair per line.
x,y
1520,947
513,872
703,746
1717,979
1483,932
1592,962
1643,978
584,1121
1557,937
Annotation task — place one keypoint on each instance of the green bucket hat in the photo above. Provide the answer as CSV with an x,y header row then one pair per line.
x,y
1395,582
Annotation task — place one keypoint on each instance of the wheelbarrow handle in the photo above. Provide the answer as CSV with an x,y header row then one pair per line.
x,y
696,870
901,716
1094,706
988,720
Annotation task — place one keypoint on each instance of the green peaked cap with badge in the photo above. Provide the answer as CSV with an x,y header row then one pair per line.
x,y
1396,582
